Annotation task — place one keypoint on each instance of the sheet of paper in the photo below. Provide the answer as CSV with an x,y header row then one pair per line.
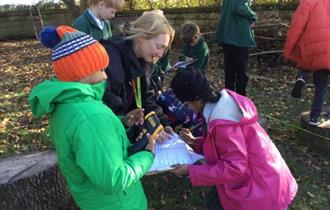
x,y
183,64
173,151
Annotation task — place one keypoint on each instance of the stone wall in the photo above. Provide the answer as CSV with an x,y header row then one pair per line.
x,y
18,25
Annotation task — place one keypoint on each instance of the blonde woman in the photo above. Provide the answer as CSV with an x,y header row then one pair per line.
x,y
133,53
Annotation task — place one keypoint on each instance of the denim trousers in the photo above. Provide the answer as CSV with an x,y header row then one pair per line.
x,y
320,80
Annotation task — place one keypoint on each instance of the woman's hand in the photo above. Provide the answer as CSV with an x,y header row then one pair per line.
x,y
134,117
187,136
165,134
181,170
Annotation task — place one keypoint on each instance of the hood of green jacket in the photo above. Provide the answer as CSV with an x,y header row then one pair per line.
x,y
47,94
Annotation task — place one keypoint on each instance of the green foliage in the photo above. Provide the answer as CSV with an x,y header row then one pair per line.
x,y
144,4
165,4
43,4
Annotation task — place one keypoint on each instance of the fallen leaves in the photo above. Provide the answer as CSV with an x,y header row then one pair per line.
x,y
23,64
3,125
310,194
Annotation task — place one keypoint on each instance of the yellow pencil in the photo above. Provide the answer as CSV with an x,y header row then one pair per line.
x,y
195,126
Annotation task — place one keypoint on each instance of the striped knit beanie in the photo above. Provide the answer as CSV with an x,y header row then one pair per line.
x,y
75,54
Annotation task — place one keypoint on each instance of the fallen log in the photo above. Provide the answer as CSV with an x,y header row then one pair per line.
x,y
33,181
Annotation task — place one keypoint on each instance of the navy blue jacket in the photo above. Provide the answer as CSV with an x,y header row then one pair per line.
x,y
125,66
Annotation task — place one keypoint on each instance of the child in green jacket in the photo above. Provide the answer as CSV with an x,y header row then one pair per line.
x,y
194,47
234,32
95,20
90,140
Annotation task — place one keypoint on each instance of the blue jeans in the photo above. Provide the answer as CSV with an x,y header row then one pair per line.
x,y
320,80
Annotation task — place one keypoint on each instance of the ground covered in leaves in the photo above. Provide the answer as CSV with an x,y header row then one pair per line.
x,y
23,64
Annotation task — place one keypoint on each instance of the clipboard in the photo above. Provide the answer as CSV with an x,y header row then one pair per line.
x,y
183,64
173,151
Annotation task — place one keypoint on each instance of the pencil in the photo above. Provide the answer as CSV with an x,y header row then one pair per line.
x,y
195,126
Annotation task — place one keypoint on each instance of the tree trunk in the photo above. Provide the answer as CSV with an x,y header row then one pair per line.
x,y
33,181
83,5
72,7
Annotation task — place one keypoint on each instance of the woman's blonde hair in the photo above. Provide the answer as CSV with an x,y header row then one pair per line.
x,y
149,25
116,4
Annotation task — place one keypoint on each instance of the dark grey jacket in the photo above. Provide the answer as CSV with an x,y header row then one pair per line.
x,y
125,66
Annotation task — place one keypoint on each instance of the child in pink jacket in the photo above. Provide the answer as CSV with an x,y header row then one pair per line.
x,y
241,160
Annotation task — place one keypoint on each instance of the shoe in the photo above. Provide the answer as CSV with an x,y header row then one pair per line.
x,y
314,121
297,88
327,114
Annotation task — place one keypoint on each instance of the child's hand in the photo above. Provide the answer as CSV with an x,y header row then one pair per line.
x,y
187,136
165,134
173,69
180,170
189,58
134,117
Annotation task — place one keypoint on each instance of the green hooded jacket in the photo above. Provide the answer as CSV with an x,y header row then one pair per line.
x,y
87,24
200,52
91,146
234,25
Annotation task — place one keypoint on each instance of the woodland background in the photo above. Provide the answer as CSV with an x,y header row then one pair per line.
x,y
24,63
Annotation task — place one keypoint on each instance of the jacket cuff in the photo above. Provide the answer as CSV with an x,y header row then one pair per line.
x,y
148,150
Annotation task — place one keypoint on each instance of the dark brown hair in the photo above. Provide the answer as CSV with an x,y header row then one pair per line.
x,y
189,30
191,85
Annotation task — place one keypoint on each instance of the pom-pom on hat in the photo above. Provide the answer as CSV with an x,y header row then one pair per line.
x,y
75,54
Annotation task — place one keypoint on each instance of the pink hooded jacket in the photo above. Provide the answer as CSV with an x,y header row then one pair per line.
x,y
308,39
242,161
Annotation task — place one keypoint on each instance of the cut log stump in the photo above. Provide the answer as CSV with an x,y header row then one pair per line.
x,y
33,181
316,137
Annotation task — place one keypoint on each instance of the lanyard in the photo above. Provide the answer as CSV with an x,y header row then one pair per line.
x,y
137,92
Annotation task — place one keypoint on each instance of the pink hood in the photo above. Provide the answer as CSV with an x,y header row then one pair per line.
x,y
242,161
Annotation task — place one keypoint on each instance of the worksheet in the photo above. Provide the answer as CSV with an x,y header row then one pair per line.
x,y
173,151
183,64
